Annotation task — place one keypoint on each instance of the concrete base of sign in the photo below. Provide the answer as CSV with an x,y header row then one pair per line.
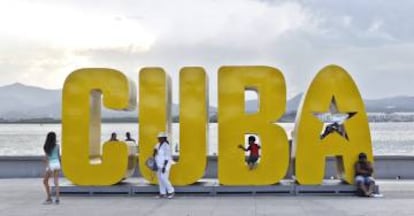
x,y
137,186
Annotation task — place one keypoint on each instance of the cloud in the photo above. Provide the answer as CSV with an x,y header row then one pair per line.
x,y
41,43
67,28
211,34
46,40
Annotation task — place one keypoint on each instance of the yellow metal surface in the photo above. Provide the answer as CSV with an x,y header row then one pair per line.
x,y
193,127
86,161
234,123
155,112
82,160
309,149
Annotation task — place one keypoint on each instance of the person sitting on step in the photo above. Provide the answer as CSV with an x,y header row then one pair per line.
x,y
363,176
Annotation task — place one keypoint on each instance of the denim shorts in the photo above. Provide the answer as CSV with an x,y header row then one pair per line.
x,y
359,179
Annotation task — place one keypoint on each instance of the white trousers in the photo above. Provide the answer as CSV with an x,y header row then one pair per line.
x,y
164,182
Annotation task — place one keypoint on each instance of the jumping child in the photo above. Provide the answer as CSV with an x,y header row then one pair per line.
x,y
254,152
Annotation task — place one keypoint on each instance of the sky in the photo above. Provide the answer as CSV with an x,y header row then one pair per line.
x,y
42,41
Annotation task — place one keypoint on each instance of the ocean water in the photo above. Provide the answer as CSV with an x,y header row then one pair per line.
x,y
27,139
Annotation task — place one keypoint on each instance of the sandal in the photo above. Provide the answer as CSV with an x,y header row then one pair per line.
x,y
170,196
47,202
161,196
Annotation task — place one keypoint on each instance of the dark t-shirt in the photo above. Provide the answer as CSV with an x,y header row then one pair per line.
x,y
363,166
254,150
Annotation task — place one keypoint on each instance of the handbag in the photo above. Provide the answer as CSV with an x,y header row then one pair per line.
x,y
151,164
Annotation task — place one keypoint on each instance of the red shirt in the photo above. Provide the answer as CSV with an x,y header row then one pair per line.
x,y
254,149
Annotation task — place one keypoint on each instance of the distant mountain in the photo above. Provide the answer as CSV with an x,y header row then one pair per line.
x,y
19,101
384,105
292,104
391,104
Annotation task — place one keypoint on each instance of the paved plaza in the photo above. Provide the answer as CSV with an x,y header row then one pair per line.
x,y
24,197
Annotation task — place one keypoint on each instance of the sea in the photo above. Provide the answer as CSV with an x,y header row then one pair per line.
x,y
391,138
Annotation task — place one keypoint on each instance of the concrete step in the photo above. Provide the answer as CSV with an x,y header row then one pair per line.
x,y
137,186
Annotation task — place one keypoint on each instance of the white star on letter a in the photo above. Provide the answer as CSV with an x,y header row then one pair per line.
x,y
334,120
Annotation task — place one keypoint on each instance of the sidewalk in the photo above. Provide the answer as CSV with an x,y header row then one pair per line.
x,y
24,197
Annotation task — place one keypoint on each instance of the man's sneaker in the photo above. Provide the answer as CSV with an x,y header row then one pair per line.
x,y
57,201
377,195
170,196
47,202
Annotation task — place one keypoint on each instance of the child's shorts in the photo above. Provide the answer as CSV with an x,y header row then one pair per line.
x,y
252,159
53,165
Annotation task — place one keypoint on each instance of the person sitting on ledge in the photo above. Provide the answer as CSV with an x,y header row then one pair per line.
x,y
363,176
131,143
254,152
334,127
113,137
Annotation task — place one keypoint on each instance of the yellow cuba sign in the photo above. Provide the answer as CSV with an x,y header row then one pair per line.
x,y
332,101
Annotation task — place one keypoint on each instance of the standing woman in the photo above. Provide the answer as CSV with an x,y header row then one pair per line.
x,y
52,159
163,157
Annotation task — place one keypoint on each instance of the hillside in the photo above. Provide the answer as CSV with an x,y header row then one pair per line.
x,y
21,101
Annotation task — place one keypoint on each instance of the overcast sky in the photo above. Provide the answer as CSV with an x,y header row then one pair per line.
x,y
41,42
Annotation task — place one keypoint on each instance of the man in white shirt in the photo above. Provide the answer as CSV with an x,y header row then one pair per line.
x,y
163,158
